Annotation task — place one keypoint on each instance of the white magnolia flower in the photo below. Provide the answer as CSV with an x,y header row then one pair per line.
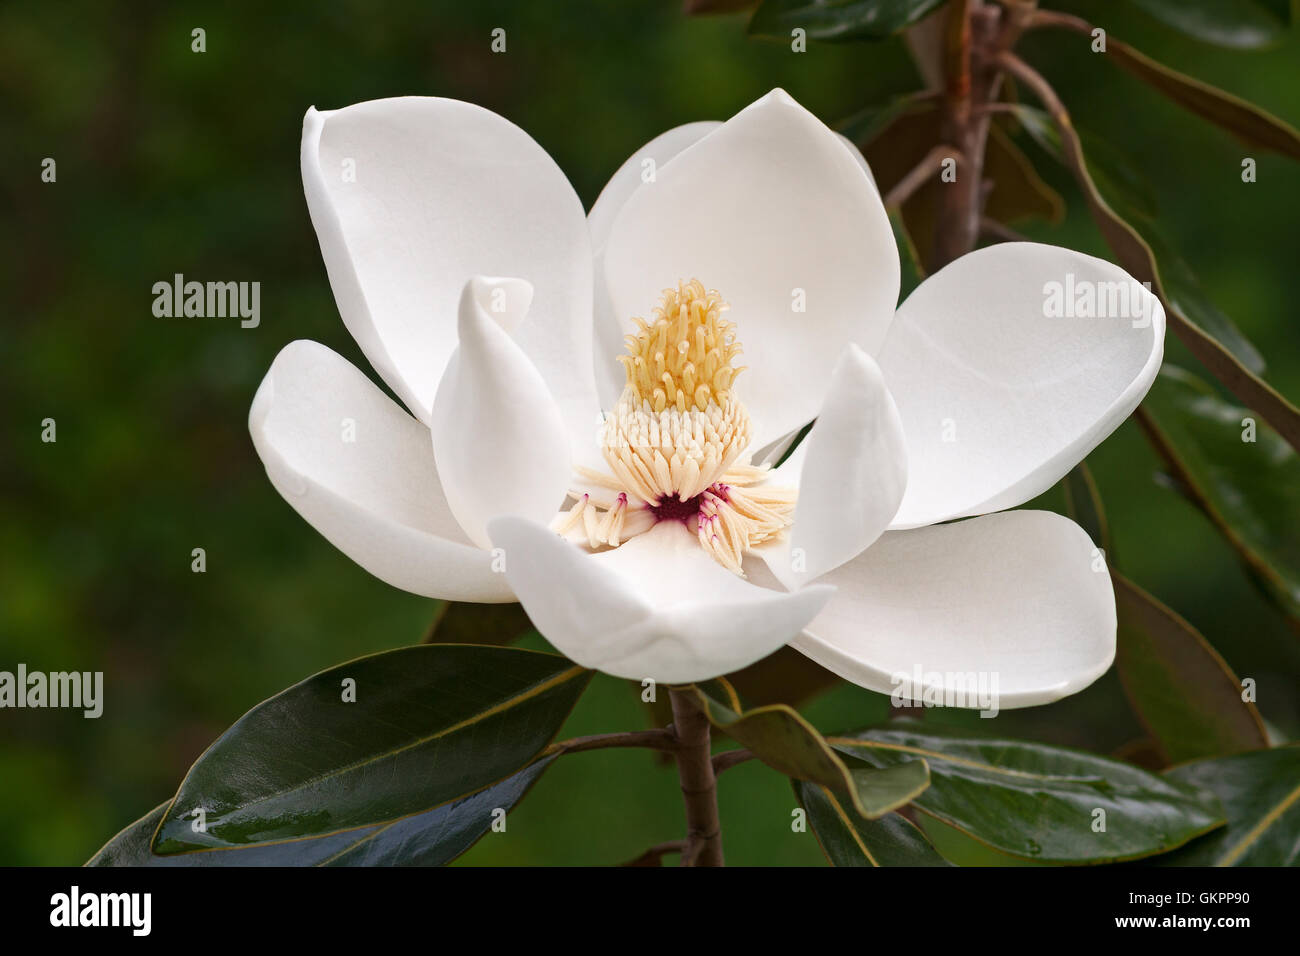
x,y
680,553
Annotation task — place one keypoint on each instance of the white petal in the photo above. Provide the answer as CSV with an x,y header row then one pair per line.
x,y
644,163
1022,598
609,331
441,191
852,469
361,471
498,436
773,211
858,158
998,399
656,607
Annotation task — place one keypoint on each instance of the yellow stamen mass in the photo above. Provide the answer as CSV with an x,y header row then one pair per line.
x,y
675,440
684,357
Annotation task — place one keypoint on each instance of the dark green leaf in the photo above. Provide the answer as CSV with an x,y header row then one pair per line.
x,y
1243,24
430,724
838,20
432,838
866,124
1250,490
850,840
458,622
1250,124
783,740
1114,173
1083,504
1038,802
1261,793
1018,191
1180,687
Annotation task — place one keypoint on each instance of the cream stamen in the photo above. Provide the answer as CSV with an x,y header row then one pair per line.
x,y
675,440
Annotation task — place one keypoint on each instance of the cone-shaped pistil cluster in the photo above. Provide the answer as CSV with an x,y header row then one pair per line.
x,y
675,440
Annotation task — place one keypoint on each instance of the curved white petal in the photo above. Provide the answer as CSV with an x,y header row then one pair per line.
x,y
639,167
656,607
411,197
858,158
361,471
1021,598
498,436
775,213
999,398
851,468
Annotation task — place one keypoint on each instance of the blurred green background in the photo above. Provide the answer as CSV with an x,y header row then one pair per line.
x,y
173,161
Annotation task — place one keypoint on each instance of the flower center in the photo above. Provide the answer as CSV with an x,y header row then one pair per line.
x,y
678,426
676,436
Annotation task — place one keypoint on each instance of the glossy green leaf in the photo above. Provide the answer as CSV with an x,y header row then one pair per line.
x,y
850,840
1039,802
1180,687
1249,489
1083,505
782,739
1241,24
430,724
432,838
838,20
1260,793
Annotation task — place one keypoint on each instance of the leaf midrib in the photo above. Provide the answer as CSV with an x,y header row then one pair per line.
x,y
960,761
533,691
1258,829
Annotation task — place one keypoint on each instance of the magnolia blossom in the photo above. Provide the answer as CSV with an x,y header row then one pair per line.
x,y
733,283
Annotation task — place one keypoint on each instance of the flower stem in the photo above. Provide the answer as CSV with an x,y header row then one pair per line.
x,y
977,34
698,782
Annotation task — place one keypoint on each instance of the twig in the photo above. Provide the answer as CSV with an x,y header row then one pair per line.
x,y
916,177
658,739
730,758
957,209
698,782
993,229
654,856
978,33
1043,91
1063,21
